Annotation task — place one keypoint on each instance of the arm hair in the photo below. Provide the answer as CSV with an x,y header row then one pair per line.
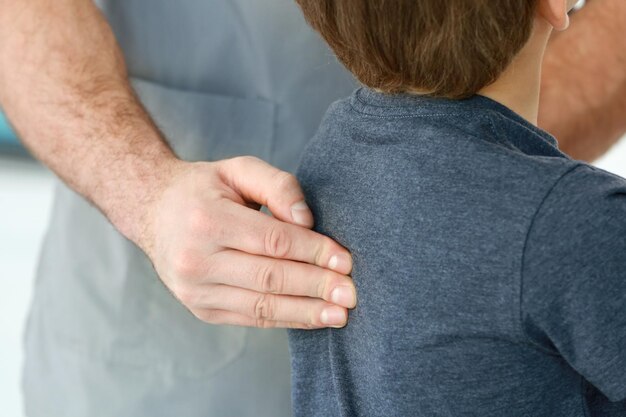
x,y
65,89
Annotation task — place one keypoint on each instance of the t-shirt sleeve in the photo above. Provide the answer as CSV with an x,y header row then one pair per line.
x,y
573,296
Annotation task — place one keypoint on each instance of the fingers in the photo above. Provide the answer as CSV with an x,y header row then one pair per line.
x,y
256,233
265,292
262,308
223,317
258,181
274,276
229,264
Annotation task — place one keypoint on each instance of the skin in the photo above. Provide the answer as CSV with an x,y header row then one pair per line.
x,y
583,91
519,86
64,86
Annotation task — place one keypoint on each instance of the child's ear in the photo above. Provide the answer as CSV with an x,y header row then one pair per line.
x,y
555,12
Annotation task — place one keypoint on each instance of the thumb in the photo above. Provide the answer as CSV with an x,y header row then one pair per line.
x,y
257,181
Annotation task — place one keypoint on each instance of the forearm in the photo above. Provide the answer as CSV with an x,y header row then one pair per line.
x,y
64,87
583,98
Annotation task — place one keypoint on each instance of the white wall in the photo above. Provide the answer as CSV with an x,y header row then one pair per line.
x,y
615,161
25,197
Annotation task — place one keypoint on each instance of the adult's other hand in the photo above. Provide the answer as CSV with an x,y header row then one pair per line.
x,y
583,91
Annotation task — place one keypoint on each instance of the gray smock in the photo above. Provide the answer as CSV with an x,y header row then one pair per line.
x,y
104,337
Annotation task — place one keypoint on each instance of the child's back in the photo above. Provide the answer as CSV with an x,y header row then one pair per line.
x,y
490,268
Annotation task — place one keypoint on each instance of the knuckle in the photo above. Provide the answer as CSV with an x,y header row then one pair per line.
x,y
264,307
322,247
286,180
303,326
325,284
271,278
277,242
186,264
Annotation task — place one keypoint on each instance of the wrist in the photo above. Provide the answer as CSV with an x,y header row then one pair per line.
x,y
131,204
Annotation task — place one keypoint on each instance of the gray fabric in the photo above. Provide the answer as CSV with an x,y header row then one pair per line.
x,y
105,338
490,268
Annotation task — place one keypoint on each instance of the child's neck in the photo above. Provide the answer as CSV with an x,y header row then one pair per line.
x,y
518,87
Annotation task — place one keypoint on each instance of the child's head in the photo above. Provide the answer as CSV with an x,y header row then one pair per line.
x,y
444,48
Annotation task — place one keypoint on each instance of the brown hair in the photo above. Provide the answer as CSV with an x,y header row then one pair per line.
x,y
444,48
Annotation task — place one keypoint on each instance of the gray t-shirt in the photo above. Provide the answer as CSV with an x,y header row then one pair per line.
x,y
490,267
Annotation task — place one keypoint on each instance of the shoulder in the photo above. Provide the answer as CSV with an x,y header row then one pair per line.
x,y
329,141
580,223
583,198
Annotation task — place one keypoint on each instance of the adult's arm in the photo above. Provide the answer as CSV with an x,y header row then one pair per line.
x,y
583,96
64,87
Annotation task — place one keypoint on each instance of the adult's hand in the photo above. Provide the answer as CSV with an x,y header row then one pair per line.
x,y
583,91
226,261
229,263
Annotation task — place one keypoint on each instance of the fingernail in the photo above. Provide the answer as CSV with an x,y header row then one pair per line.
x,y
333,316
340,263
300,213
344,296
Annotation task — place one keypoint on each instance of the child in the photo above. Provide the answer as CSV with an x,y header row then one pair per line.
x,y
490,267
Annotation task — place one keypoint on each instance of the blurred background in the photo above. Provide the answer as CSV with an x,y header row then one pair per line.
x,y
25,199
